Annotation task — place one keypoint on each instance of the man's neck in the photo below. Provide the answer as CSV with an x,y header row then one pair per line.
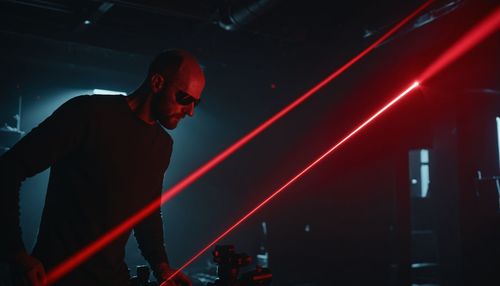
x,y
140,104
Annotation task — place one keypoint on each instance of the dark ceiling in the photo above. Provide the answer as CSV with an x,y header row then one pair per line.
x,y
143,26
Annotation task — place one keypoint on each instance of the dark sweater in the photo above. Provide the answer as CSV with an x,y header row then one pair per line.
x,y
106,164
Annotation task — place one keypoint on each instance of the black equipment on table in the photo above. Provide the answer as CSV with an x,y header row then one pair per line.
x,y
228,265
142,277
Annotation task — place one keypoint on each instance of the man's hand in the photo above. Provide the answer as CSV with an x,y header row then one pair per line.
x,y
28,271
164,272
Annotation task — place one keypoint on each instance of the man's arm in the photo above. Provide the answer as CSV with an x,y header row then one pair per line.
x,y
56,136
149,235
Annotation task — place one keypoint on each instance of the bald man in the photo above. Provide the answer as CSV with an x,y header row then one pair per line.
x,y
107,155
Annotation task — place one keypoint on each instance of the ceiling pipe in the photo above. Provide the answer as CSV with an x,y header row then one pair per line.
x,y
236,15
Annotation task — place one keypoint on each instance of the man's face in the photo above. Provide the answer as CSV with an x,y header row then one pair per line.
x,y
178,97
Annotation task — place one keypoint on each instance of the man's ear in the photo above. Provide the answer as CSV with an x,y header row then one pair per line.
x,y
156,82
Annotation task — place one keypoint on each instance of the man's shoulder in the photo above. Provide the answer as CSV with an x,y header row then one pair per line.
x,y
77,100
97,99
93,103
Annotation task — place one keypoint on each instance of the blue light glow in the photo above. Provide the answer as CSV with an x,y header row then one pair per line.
x,y
108,92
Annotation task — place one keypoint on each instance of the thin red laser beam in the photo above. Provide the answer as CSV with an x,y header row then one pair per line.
x,y
474,36
72,262
296,177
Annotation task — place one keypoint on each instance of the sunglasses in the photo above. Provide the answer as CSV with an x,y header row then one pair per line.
x,y
183,98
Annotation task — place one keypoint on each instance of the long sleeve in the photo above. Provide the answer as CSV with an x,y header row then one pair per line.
x,y
149,235
149,232
55,137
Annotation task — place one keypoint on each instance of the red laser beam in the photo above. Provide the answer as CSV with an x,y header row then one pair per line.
x,y
474,36
73,261
300,174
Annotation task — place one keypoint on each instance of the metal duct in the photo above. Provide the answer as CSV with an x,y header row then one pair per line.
x,y
235,16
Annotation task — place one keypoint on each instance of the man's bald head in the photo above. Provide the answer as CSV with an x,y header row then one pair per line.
x,y
176,81
179,66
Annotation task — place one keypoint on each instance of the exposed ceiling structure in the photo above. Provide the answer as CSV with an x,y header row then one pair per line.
x,y
143,26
